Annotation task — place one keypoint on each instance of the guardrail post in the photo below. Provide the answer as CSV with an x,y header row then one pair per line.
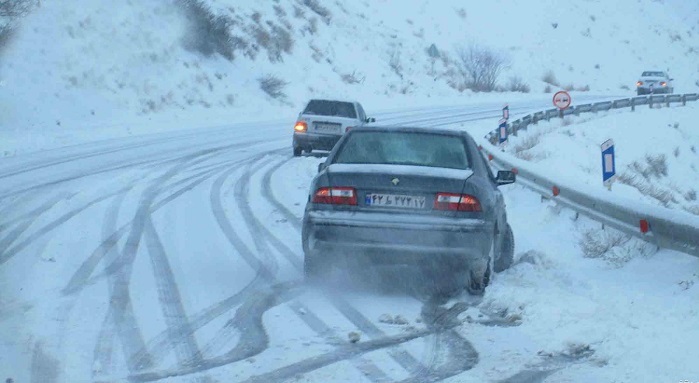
x,y
667,101
650,101
684,100
633,105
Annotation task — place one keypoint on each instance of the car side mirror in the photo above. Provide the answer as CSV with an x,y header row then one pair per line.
x,y
321,166
505,177
370,119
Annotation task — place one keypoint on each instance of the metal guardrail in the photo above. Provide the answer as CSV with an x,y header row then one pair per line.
x,y
666,228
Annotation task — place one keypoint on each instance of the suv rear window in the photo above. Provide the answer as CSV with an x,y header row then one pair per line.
x,y
331,108
404,148
653,74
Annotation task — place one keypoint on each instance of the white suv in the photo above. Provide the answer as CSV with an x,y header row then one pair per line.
x,y
323,122
654,82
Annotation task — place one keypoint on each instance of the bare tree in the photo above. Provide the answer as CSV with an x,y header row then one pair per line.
x,y
480,67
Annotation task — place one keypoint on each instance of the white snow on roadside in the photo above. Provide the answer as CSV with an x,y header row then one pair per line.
x,y
656,152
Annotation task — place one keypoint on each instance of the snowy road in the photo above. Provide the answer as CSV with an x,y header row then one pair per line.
x,y
178,256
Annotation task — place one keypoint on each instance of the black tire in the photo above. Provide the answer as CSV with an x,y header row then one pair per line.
x,y
506,254
297,151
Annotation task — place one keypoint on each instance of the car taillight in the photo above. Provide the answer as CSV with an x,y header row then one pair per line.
x,y
663,83
639,83
456,202
301,126
335,196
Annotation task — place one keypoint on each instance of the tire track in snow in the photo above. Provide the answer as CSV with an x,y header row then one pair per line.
x,y
8,254
252,341
120,310
104,347
265,266
185,345
263,276
365,366
81,278
26,220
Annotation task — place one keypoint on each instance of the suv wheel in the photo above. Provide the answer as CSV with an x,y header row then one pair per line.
x,y
297,151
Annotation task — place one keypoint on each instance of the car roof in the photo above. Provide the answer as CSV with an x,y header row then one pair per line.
x,y
332,100
410,129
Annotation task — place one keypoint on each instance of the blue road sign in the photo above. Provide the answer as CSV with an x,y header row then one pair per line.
x,y
608,163
502,131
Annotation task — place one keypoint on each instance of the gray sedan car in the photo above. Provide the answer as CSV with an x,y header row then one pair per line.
x,y
408,196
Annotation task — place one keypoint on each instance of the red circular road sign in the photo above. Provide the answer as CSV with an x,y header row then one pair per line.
x,y
561,100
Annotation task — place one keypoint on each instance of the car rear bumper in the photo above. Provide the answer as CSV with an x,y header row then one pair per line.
x,y
656,90
384,238
315,141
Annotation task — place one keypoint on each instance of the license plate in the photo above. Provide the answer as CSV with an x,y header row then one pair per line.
x,y
326,127
394,200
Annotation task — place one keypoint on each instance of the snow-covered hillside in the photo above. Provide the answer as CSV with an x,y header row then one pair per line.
x,y
117,68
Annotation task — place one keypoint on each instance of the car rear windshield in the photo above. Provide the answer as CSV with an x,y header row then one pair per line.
x,y
331,108
653,74
404,148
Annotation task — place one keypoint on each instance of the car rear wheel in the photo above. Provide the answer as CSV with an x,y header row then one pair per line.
x,y
506,254
297,151
478,280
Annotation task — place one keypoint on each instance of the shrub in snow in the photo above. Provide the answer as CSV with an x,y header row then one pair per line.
x,y
548,89
394,62
526,144
5,35
318,9
207,33
612,246
280,42
516,84
550,78
12,9
648,188
596,243
352,78
273,86
480,67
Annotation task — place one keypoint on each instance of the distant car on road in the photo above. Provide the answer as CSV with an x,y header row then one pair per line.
x,y
408,196
323,122
657,81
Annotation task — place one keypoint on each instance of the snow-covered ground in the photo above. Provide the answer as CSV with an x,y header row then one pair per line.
x,y
656,152
71,74
159,239
179,258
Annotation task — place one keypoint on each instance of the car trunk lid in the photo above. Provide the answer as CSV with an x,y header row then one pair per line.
x,y
398,188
